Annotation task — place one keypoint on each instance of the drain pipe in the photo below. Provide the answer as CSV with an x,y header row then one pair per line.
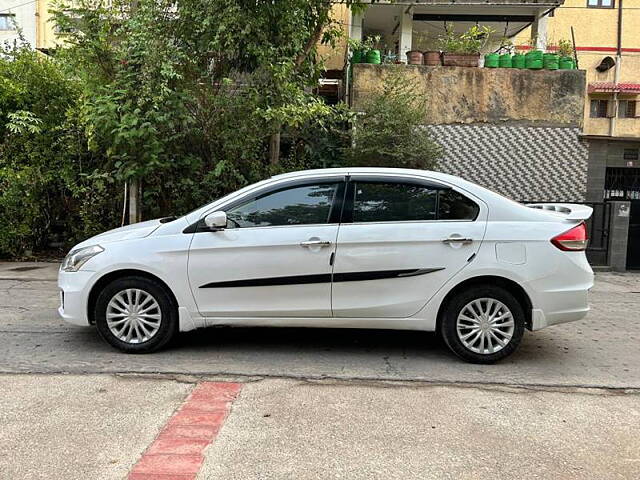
x,y
616,73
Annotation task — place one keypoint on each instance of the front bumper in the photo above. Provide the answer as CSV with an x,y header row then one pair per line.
x,y
74,293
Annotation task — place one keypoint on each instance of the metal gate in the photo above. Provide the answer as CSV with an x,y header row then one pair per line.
x,y
598,230
623,183
633,244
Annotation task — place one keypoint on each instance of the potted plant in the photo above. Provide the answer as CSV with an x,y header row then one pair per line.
x,y
506,49
534,57
501,57
358,51
518,60
430,57
373,52
567,55
550,59
414,56
417,56
463,50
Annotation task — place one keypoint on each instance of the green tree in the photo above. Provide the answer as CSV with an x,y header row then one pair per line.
x,y
197,89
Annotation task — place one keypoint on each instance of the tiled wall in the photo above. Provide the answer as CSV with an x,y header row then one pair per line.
x,y
521,162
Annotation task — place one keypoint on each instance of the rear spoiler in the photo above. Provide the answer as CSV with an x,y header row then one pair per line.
x,y
568,211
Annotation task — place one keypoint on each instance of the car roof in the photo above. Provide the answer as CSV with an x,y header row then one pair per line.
x,y
368,170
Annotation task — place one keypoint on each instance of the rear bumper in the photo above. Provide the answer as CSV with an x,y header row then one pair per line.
x,y
540,320
563,296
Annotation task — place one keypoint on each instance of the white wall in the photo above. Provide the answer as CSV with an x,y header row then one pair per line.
x,y
25,17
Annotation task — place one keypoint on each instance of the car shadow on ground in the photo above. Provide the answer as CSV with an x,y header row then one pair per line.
x,y
327,339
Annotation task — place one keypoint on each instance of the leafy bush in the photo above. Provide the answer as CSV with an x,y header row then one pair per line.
x,y
389,132
470,42
44,165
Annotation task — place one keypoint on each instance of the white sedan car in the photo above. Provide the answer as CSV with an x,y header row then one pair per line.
x,y
339,248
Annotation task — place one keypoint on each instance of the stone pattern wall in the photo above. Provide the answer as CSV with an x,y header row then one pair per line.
x,y
521,162
484,95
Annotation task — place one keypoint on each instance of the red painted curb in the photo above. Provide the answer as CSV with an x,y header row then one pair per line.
x,y
177,451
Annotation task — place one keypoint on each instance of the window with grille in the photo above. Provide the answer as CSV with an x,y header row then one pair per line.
x,y
599,108
628,109
622,183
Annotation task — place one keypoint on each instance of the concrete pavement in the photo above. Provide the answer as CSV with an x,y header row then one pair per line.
x,y
103,427
79,427
323,430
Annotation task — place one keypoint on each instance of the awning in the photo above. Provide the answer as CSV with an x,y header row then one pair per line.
x,y
611,87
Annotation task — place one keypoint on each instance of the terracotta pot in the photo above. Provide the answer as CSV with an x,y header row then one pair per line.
x,y
414,57
432,58
456,60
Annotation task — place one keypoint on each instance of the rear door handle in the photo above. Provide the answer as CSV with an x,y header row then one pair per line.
x,y
462,240
315,243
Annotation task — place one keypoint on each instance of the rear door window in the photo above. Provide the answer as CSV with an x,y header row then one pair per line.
x,y
380,201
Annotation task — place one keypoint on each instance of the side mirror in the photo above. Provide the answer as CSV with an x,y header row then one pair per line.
x,y
216,221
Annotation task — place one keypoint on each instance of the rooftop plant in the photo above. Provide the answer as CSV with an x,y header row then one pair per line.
x,y
470,42
565,48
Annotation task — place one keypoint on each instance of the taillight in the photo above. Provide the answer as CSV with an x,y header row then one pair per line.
x,y
573,240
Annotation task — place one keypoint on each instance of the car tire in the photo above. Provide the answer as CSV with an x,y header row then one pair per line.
x,y
483,324
136,315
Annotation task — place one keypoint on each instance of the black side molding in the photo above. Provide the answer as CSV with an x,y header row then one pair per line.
x,y
323,278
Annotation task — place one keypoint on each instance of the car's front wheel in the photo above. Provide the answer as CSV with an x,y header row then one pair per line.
x,y
136,315
483,324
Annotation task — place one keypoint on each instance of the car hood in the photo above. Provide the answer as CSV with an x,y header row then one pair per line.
x,y
129,232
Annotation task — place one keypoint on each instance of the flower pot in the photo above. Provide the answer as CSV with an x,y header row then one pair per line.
x,y
373,56
551,61
460,60
432,58
414,57
491,60
505,61
566,63
518,61
357,56
533,60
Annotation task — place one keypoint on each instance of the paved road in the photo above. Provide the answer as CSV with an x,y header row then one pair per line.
x,y
600,351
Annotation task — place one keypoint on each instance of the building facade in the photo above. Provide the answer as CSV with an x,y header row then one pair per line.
x,y
32,19
18,21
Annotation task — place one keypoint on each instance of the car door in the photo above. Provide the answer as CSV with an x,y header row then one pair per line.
x,y
273,259
401,239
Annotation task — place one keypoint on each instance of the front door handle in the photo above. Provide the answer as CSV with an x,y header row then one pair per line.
x,y
462,240
315,243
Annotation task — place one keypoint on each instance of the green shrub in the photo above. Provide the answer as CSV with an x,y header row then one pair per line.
x,y
389,131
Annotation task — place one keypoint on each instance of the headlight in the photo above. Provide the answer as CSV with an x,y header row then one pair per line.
x,y
76,258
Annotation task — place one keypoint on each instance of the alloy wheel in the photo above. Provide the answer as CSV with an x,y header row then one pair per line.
x,y
485,325
133,316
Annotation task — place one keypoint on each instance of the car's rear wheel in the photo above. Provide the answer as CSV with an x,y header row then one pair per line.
x,y
136,315
483,324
